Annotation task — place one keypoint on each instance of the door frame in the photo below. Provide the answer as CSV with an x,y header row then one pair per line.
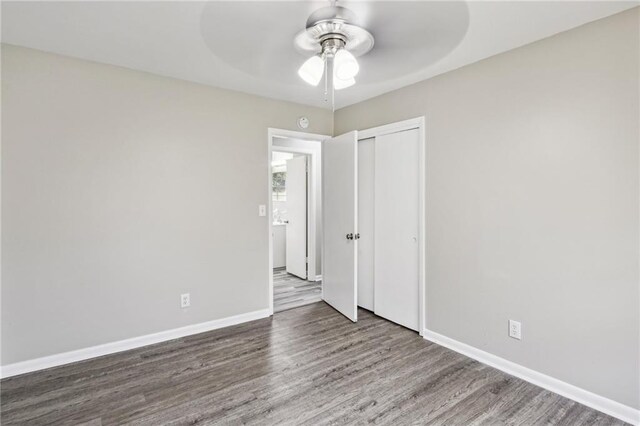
x,y
314,166
413,123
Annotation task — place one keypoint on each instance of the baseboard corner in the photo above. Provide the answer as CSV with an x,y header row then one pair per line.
x,y
582,396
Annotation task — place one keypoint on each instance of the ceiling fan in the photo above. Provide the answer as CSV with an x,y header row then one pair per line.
x,y
335,39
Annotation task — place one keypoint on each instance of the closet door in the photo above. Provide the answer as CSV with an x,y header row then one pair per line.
x,y
340,209
397,210
366,207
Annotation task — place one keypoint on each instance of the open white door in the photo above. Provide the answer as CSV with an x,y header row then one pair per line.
x,y
340,232
296,186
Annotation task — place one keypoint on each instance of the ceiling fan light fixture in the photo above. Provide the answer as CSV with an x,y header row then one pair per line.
x,y
346,65
312,69
334,38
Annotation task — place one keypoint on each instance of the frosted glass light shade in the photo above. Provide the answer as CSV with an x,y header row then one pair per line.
x,y
339,84
346,65
312,69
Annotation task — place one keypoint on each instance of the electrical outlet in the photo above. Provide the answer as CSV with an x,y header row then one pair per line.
x,y
185,300
515,329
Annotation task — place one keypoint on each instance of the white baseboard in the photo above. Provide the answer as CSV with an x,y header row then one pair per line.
x,y
590,399
124,345
318,277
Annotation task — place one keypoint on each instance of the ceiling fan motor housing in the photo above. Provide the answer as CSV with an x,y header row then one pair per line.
x,y
332,28
331,14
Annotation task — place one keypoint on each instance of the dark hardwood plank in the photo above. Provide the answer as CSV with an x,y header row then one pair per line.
x,y
308,365
290,291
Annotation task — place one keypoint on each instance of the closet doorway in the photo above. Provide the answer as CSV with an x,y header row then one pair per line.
x,y
374,239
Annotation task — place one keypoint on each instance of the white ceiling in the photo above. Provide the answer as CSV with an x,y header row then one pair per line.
x,y
248,45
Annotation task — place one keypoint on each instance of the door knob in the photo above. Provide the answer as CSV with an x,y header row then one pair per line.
x,y
349,236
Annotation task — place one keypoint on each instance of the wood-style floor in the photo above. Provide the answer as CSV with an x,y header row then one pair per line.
x,y
290,291
304,366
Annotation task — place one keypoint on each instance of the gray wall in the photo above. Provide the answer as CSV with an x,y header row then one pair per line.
x,y
121,190
532,202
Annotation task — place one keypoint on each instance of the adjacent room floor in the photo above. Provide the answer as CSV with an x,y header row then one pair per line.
x,y
290,291
308,365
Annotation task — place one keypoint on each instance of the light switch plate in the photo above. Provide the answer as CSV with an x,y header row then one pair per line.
x,y
262,210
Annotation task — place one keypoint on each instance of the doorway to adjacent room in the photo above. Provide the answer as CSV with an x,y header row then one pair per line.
x,y
295,213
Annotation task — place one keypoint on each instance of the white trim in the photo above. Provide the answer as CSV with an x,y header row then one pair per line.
x,y
318,277
293,134
127,344
400,126
311,237
590,399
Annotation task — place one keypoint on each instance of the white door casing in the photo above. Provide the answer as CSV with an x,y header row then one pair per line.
x,y
303,143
